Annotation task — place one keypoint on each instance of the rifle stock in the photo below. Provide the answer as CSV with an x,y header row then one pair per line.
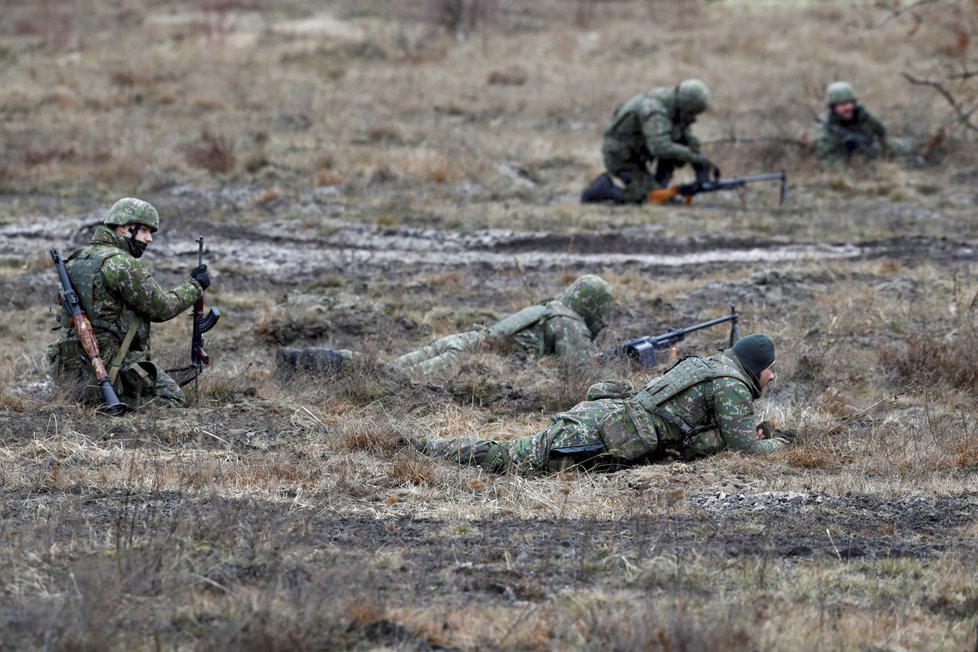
x,y
688,190
83,328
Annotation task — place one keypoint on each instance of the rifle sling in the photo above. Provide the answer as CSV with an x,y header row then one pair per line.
x,y
123,350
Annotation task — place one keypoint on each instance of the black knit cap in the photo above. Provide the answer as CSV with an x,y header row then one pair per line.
x,y
756,353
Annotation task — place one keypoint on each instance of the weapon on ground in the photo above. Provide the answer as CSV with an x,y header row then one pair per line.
x,y
643,348
687,190
201,324
83,327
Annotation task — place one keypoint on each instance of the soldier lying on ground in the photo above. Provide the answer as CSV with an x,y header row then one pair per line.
x,y
121,299
563,327
850,130
651,128
699,407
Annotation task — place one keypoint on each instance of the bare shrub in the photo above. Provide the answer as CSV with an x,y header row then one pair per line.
x,y
929,359
643,627
213,153
52,22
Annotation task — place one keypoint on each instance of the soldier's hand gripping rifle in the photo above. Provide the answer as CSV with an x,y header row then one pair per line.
x,y
643,348
83,327
853,142
687,190
202,323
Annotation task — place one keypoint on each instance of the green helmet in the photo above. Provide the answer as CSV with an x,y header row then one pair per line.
x,y
693,96
590,297
839,92
133,211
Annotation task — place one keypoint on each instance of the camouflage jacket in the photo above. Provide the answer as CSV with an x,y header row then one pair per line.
x,y
717,413
651,124
868,137
117,291
550,328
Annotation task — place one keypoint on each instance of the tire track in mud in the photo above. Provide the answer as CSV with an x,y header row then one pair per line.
x,y
280,248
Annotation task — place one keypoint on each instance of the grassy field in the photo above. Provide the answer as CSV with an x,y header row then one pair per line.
x,y
371,175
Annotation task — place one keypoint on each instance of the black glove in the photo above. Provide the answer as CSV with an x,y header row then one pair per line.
x,y
767,430
200,275
852,143
705,168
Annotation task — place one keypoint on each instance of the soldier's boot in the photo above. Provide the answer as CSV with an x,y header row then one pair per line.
x,y
603,188
317,360
489,455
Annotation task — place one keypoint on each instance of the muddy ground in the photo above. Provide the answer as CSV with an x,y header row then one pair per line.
x,y
371,176
371,552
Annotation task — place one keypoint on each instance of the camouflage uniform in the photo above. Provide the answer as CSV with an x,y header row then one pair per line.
x,y
833,145
699,407
654,126
563,327
118,293
837,139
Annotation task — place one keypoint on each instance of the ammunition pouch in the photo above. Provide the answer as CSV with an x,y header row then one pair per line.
x,y
628,432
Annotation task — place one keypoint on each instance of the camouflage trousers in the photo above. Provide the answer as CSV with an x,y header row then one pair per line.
x,y
140,381
632,168
440,354
592,433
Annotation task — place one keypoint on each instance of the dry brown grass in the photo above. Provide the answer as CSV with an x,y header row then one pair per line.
x,y
228,525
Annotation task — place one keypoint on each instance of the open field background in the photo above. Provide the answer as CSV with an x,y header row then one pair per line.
x,y
372,175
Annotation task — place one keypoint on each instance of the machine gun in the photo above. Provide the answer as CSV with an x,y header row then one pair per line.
x,y
687,190
643,348
83,327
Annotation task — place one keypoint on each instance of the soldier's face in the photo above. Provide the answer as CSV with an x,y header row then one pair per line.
x,y
143,235
844,110
768,376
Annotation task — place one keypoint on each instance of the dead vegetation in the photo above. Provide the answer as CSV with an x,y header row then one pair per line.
x,y
370,178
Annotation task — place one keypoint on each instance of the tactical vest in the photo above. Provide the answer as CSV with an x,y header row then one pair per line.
x,y
686,374
104,312
519,325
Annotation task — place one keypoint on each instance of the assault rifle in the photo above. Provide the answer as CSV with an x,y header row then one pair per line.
x,y
643,348
853,141
202,323
83,327
687,190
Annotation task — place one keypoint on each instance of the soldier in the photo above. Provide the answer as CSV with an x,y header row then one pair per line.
x,y
121,298
699,407
563,327
850,129
653,127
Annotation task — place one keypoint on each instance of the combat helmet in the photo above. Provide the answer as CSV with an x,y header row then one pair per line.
x,y
693,96
590,297
129,210
839,92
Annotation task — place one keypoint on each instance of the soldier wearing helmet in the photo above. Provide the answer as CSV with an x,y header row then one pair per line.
x,y
121,299
849,129
563,327
651,129
699,407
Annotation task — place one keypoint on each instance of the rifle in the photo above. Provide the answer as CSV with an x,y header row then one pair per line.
x,y
687,190
83,327
854,142
202,323
643,348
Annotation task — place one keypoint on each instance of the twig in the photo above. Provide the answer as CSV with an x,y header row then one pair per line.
x,y
736,140
897,12
964,117
834,547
